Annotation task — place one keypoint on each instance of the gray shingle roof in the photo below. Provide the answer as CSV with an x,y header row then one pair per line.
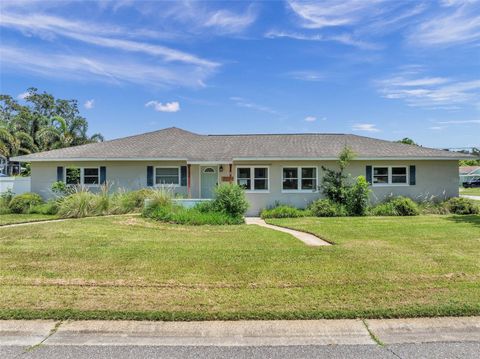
x,y
175,143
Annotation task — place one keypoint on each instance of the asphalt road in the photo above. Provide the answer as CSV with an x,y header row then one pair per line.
x,y
464,350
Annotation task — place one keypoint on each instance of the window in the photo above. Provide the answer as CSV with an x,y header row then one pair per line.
x,y
253,178
72,176
380,175
299,179
167,175
90,176
390,175
82,176
399,175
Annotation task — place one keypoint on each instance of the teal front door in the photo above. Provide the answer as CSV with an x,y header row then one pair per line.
x,y
208,181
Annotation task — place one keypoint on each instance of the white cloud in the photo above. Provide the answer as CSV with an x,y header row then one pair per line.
x,y
201,18
306,75
316,15
310,118
433,92
22,96
49,26
459,122
450,26
89,104
367,127
164,107
112,69
241,102
230,22
437,128
345,39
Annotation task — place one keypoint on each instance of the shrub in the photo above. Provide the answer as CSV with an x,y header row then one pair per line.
x,y
327,208
458,205
158,197
357,199
127,202
284,212
23,202
230,199
80,204
432,207
5,198
397,206
190,216
60,189
51,207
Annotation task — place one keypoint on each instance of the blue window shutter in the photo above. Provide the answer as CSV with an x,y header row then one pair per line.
x,y
149,176
103,175
368,175
413,176
60,174
183,176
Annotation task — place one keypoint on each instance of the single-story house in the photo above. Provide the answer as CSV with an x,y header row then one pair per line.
x,y
273,168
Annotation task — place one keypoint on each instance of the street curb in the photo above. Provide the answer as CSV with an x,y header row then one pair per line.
x,y
240,333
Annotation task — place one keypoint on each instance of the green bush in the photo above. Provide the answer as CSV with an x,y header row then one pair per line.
x,y
81,204
284,211
23,202
327,208
189,216
51,207
397,206
357,199
158,197
433,207
5,198
459,205
230,199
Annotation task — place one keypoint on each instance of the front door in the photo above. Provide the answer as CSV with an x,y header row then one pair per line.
x,y
208,180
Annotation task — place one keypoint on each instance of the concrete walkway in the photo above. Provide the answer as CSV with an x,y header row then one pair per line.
x,y
239,333
477,198
307,238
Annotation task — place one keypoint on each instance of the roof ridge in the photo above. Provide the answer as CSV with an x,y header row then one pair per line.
x,y
280,134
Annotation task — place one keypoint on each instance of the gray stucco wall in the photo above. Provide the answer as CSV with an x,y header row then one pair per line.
x,y
434,179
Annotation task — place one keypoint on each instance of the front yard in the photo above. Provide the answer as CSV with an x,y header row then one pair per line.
x,y
22,218
131,268
470,191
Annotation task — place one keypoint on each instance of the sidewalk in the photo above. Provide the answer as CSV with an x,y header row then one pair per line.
x,y
239,333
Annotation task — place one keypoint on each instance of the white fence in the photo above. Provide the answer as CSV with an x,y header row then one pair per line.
x,y
17,185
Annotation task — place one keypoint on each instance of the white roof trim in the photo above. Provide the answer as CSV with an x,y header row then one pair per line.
x,y
336,158
80,159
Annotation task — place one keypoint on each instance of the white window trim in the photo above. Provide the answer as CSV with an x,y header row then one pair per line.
x,y
155,184
299,178
252,178
82,176
390,184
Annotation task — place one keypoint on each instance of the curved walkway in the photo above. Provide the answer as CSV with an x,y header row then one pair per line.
x,y
307,238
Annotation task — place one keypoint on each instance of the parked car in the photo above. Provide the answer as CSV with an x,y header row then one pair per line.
x,y
3,175
472,183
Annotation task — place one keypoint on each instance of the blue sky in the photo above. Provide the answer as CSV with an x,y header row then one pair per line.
x,y
386,69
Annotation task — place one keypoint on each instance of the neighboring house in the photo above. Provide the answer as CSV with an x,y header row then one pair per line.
x,y
273,168
468,173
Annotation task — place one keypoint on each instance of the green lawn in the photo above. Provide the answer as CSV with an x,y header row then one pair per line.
x,y
22,218
470,191
130,268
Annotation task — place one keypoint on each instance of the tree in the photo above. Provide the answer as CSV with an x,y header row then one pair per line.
x,y
407,141
43,123
335,183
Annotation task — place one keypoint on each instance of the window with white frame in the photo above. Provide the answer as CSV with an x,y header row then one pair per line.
x,y
89,176
299,178
253,178
390,175
167,175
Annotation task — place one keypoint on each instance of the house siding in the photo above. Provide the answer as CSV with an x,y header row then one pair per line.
x,y
434,179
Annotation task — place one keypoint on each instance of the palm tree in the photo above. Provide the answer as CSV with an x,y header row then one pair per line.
x,y
14,142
